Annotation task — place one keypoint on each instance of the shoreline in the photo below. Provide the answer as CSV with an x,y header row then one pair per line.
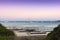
x,y
20,34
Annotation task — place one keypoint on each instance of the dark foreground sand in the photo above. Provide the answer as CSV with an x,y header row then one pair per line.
x,y
30,38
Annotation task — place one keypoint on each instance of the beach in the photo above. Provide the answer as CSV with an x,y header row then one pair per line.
x,y
19,34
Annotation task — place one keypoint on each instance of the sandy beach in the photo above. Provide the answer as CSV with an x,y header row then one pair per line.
x,y
19,34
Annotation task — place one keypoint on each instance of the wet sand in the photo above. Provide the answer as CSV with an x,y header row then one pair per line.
x,y
27,36
19,34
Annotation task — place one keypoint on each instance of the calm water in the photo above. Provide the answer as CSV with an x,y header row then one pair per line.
x,y
40,25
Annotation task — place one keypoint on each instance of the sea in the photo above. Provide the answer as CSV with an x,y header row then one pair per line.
x,y
39,25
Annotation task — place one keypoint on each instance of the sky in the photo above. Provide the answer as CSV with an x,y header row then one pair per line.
x,y
29,9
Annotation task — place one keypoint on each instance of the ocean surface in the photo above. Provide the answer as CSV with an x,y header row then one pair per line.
x,y
35,24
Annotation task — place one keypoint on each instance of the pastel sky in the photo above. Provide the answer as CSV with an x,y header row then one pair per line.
x,y
30,9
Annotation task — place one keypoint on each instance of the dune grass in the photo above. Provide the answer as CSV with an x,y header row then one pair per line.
x,y
6,38
6,34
